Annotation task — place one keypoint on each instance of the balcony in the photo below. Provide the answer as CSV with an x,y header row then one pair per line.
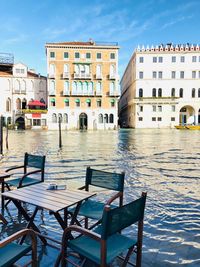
x,y
82,76
65,75
112,76
51,75
98,93
112,93
65,93
99,76
52,93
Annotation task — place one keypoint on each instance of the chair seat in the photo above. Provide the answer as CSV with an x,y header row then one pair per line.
x,y
27,181
91,209
12,252
90,248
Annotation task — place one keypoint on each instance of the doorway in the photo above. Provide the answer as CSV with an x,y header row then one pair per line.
x,y
83,124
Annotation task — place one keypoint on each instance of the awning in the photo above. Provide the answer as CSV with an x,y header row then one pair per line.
x,y
36,103
66,100
52,100
88,100
112,100
77,100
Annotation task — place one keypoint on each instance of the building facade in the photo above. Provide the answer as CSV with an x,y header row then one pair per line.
x,y
18,87
161,87
83,86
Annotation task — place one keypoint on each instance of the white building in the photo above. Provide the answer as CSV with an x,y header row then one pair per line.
x,y
18,87
161,87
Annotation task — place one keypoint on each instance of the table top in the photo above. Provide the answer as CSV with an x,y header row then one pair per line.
x,y
53,200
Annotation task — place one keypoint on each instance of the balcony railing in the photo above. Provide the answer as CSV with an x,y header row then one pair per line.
x,y
51,75
99,76
52,92
82,76
112,76
65,75
65,92
113,93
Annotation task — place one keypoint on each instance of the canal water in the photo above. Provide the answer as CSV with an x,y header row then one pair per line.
x,y
165,163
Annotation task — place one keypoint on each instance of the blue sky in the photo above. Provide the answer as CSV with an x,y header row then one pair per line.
x,y
26,25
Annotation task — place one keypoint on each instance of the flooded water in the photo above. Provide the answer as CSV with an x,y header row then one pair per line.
x,y
165,163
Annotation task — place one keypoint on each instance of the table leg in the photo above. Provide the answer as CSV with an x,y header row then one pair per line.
x,y
29,219
2,197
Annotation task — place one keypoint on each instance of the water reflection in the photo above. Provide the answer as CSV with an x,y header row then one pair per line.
x,y
163,162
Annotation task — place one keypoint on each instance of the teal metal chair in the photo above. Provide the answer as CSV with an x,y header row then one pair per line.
x,y
107,241
92,208
35,162
11,252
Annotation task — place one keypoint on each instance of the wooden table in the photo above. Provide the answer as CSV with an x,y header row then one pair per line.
x,y
52,200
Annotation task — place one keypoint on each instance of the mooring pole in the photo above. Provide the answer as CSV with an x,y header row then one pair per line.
x,y
1,135
7,135
60,137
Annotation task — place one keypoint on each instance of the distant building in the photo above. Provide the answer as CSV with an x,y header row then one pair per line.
x,y
83,85
18,87
161,87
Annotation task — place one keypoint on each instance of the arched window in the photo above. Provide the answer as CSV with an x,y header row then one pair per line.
x,y
159,92
87,69
74,88
140,92
106,118
9,120
199,92
100,118
66,88
31,86
154,92
77,70
98,88
54,118
90,88
98,71
52,70
18,104
60,117
8,105
193,92
41,85
65,118
66,68
52,87
23,86
79,88
17,85
112,71
112,88
24,103
85,88
8,85
181,92
111,118
173,92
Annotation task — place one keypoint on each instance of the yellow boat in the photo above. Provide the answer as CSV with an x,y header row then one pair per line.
x,y
188,127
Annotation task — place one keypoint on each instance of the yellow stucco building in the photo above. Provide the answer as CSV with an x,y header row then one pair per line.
x,y
83,85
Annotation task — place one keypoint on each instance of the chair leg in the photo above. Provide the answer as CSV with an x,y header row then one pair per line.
x,y
126,260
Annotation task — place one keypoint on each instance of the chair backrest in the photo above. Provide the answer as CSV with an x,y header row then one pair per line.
x,y
34,161
108,180
115,220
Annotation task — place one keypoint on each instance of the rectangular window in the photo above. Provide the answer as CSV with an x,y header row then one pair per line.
x,y
173,59
88,55
160,59
112,104
154,108
172,118
182,74
140,118
67,104
173,75
194,59
154,59
160,74
193,74
66,55
140,108
112,55
141,74
43,122
99,103
98,55
159,119
36,122
52,54
53,103
182,59
160,108
77,104
173,108
88,104
141,59
77,55
154,74
153,118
